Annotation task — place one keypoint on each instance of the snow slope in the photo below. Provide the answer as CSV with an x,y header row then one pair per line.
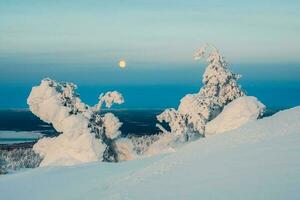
x,y
259,160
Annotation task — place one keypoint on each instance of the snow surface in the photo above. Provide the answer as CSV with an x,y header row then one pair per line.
x,y
235,114
259,160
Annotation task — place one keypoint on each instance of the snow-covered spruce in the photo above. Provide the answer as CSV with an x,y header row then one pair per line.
x,y
86,135
195,110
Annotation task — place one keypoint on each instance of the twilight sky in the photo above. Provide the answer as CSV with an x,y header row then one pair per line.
x,y
82,41
148,31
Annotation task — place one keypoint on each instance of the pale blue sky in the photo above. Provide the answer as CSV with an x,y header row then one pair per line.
x,y
82,41
144,31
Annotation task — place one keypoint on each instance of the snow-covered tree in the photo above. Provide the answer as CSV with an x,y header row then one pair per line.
x,y
15,159
86,134
175,120
195,110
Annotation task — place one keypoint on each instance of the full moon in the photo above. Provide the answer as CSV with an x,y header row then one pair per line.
x,y
122,63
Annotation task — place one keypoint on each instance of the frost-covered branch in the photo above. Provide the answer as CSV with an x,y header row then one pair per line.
x,y
109,98
162,129
204,51
174,119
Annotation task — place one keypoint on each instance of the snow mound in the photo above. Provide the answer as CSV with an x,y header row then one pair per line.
x,y
125,150
235,114
86,136
259,160
163,145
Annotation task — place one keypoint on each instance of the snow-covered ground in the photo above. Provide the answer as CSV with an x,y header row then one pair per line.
x,y
259,160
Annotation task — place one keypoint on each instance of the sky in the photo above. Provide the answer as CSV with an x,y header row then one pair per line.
x,y
82,41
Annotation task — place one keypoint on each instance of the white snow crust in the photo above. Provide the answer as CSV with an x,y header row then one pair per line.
x,y
235,114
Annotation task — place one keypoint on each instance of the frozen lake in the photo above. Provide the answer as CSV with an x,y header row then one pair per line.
x,y
18,126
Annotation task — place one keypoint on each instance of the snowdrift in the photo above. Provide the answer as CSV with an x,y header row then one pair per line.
x,y
235,114
259,160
